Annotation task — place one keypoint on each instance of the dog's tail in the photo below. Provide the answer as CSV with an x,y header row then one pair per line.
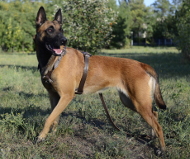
x,y
157,93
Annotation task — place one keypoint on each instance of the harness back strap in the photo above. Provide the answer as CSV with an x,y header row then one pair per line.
x,y
85,72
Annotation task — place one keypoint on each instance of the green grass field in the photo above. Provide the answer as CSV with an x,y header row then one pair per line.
x,y
84,131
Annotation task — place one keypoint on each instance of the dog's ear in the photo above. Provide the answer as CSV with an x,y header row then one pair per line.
x,y
58,17
41,17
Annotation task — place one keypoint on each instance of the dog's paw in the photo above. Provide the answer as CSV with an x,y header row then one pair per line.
x,y
38,139
159,152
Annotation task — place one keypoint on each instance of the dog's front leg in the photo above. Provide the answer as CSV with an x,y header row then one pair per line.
x,y
54,99
62,104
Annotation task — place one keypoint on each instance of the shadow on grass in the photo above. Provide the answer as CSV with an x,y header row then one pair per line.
x,y
166,64
18,67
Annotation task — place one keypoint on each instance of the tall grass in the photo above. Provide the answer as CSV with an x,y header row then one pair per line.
x,y
84,131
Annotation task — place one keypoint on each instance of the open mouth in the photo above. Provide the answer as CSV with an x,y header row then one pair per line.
x,y
55,51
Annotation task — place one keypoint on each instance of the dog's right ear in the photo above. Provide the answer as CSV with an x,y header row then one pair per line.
x,y
41,17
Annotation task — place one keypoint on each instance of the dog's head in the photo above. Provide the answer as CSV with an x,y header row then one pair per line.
x,y
49,34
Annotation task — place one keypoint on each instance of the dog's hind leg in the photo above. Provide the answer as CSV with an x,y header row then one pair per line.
x,y
126,100
144,108
62,104
142,104
54,99
153,132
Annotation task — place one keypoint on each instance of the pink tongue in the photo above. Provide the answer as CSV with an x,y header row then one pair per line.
x,y
57,51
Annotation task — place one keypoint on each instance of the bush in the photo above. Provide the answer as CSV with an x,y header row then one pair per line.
x,y
87,23
17,25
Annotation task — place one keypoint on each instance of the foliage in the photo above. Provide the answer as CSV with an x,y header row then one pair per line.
x,y
17,25
183,25
122,27
149,22
135,21
138,14
88,26
162,12
87,23
162,8
165,26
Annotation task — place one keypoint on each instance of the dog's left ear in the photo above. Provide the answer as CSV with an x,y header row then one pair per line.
x,y
58,17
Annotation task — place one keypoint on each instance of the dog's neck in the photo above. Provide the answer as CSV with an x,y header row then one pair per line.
x,y
43,56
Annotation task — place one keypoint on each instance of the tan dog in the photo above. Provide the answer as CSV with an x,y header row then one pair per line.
x,y
136,82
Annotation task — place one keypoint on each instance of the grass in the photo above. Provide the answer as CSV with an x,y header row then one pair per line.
x,y
84,131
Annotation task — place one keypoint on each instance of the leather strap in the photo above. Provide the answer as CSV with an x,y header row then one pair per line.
x,y
107,113
51,65
85,72
142,138
59,58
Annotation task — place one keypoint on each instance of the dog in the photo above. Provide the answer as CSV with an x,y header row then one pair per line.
x,y
136,82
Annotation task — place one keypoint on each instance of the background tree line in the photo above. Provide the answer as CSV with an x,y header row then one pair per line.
x,y
94,24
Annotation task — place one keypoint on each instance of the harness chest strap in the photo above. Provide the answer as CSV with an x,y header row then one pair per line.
x,y
51,65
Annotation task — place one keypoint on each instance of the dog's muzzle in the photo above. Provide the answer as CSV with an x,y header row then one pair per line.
x,y
64,41
55,51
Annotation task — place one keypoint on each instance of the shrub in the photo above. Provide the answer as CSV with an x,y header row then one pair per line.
x,y
87,23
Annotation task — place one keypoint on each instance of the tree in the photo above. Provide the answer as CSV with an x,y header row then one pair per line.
x,y
122,27
164,27
162,8
183,29
138,14
88,23
177,4
149,22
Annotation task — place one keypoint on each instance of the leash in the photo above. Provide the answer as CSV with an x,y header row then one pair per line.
x,y
107,113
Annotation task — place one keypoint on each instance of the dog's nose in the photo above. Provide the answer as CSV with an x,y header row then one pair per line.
x,y
63,41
